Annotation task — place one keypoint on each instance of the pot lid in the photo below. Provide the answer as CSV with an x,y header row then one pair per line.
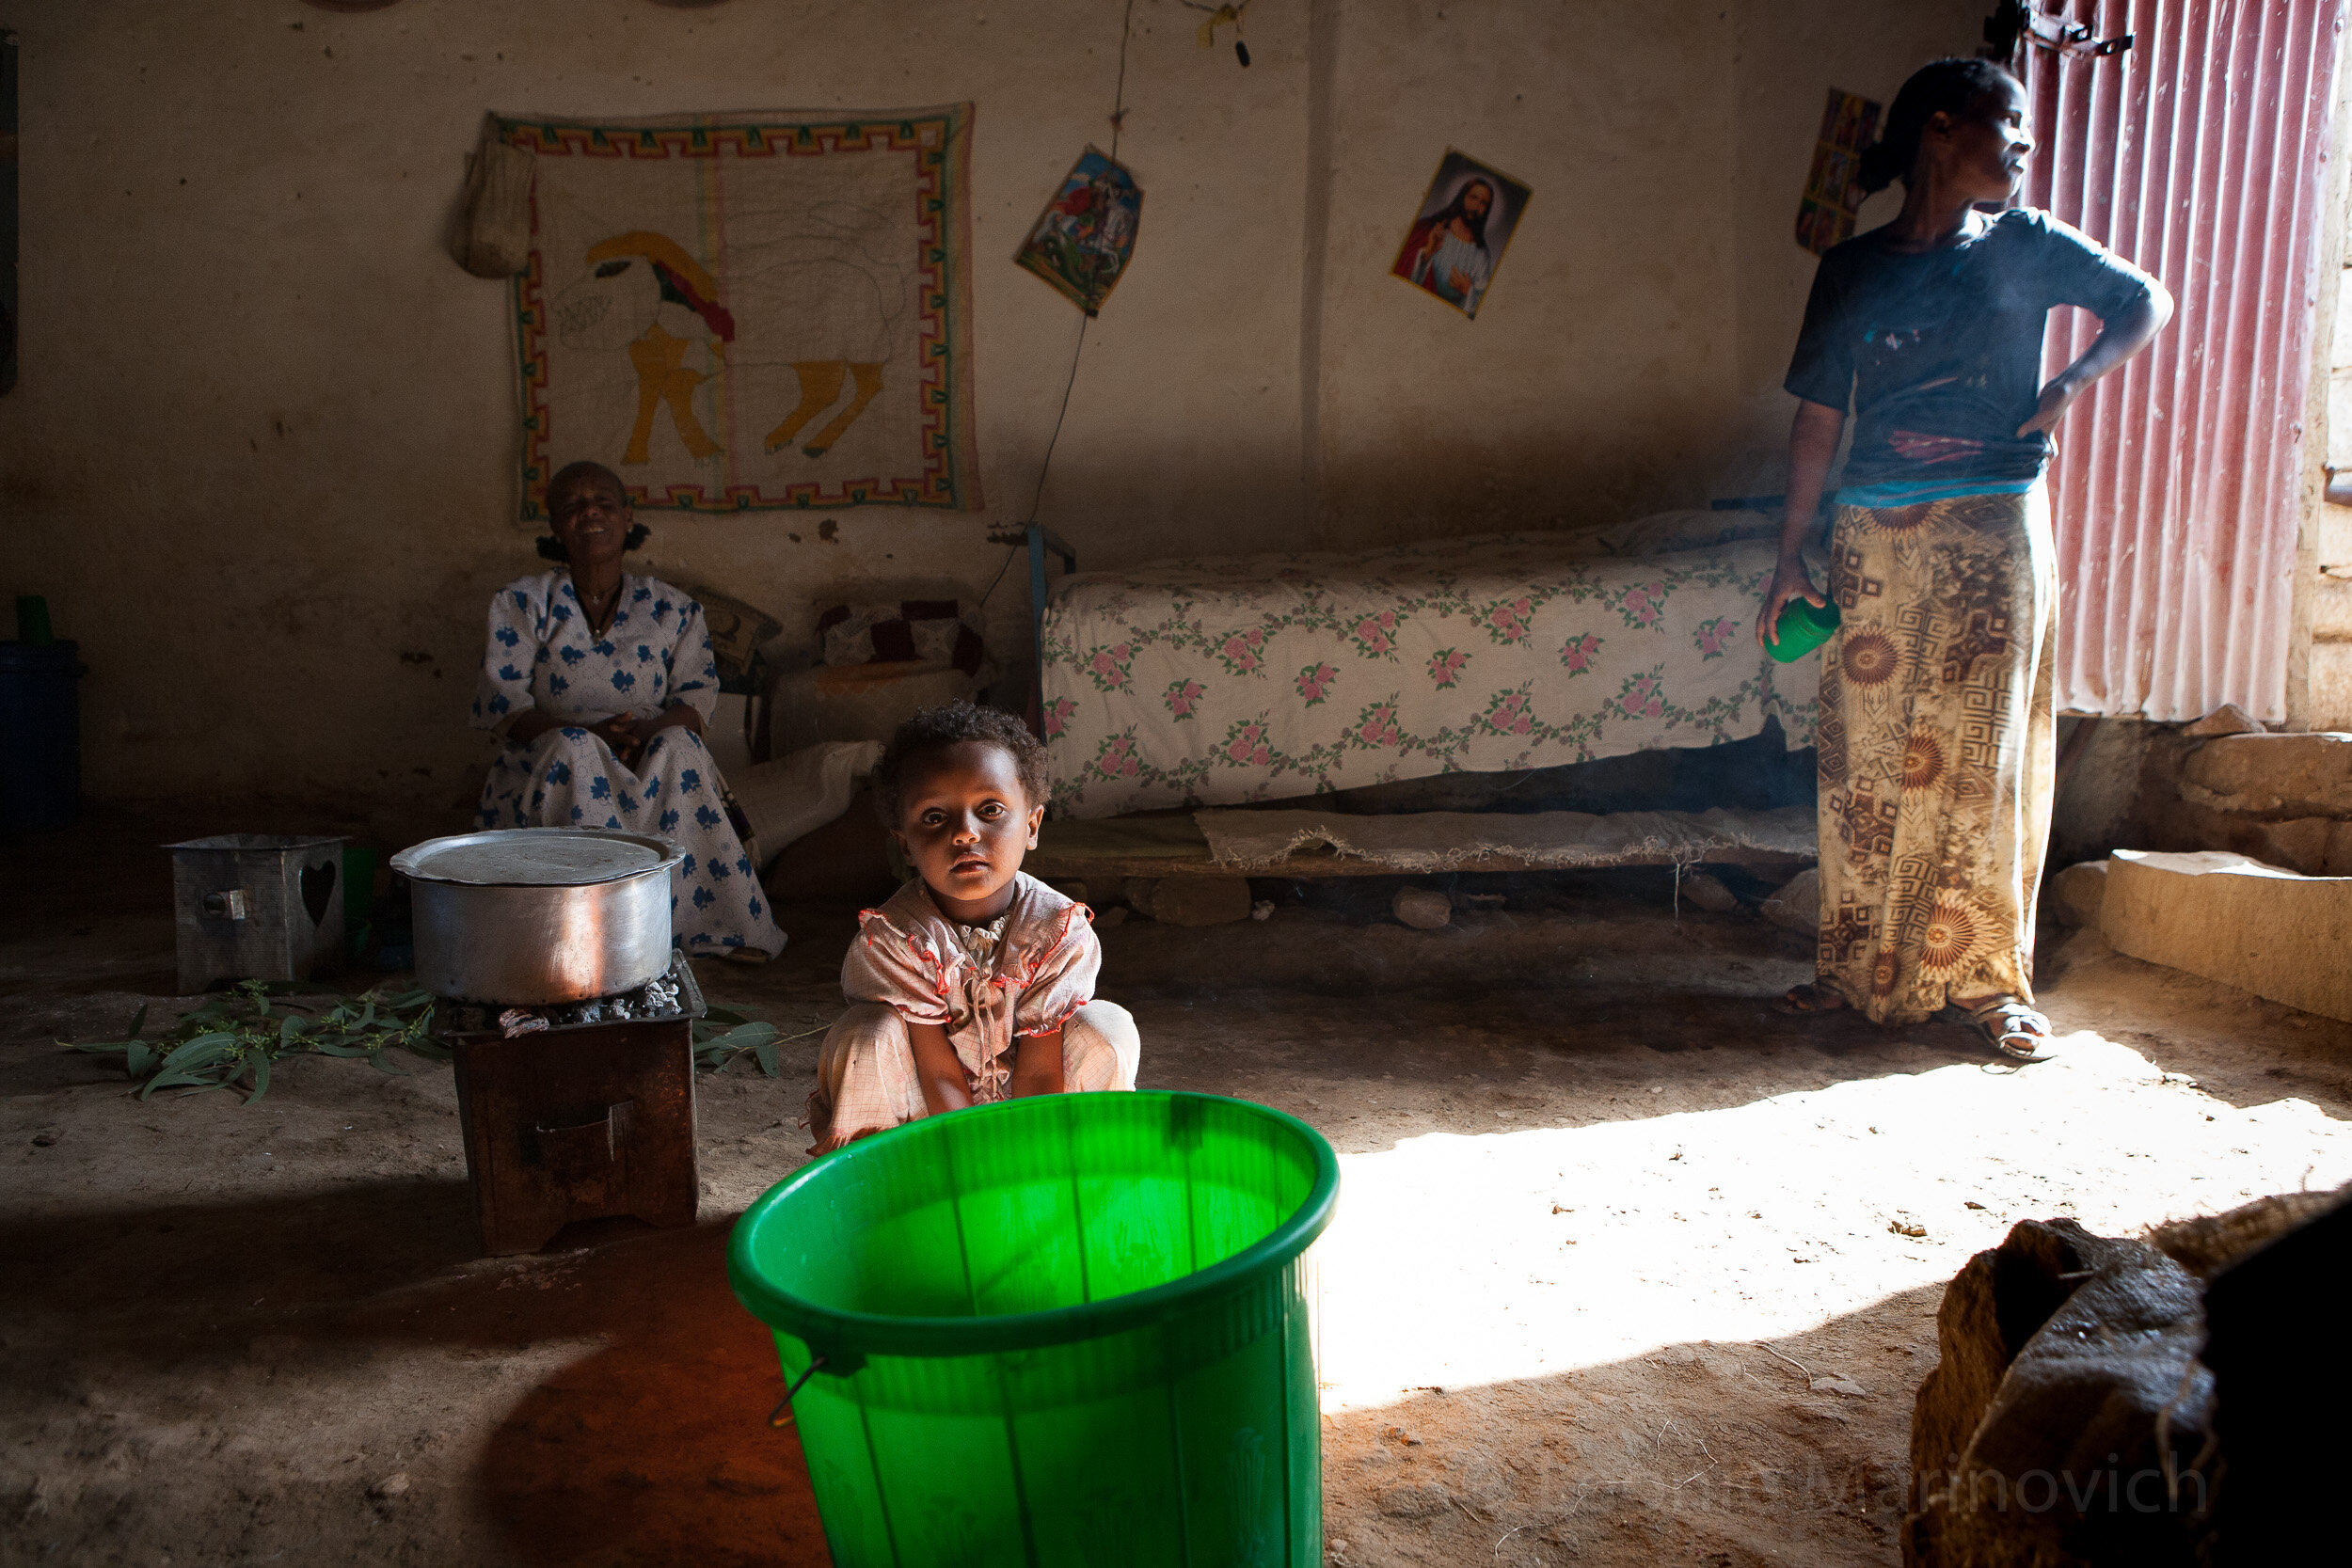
x,y
537,856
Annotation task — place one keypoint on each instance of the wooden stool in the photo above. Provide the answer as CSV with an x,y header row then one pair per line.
x,y
578,1123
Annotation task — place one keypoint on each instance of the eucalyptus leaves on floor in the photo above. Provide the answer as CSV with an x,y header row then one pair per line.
x,y
232,1040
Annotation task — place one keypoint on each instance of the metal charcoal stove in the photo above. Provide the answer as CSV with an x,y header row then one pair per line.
x,y
672,995
578,1110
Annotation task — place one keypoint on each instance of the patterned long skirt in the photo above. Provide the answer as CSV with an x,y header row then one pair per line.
x,y
1936,746
570,776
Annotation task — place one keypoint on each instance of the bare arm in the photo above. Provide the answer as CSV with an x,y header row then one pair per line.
x,y
1037,1065
1812,443
2118,341
938,1069
678,715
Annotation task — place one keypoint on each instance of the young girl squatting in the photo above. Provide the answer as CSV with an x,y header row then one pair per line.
x,y
974,983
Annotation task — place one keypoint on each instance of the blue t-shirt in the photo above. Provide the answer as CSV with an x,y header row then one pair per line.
x,y
1940,352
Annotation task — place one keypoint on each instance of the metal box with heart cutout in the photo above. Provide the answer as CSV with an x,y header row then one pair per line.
x,y
256,907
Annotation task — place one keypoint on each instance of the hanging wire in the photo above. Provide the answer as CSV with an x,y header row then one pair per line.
x,y
1119,92
1119,115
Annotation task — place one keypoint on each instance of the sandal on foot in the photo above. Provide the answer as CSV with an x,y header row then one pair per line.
x,y
1812,997
2013,1028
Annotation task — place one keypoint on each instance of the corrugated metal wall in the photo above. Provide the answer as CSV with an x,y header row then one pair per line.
x,y
2198,154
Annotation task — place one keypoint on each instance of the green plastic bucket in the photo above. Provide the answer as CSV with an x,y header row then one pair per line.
x,y
1076,1329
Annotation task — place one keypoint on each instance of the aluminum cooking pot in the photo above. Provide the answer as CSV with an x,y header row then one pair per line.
x,y
540,916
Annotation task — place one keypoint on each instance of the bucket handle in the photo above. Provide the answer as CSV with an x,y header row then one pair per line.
x,y
781,1415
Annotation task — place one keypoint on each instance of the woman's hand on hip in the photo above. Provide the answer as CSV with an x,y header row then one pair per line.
x,y
1791,580
2057,398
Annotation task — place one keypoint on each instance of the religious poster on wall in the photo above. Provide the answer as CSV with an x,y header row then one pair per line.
x,y
1082,242
751,312
1457,238
1825,217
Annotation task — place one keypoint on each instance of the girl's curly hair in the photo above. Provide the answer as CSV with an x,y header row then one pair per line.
x,y
946,726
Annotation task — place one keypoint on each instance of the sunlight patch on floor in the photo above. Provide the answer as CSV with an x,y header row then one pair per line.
x,y
1476,1259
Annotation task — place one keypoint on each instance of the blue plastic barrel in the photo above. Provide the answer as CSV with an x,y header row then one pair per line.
x,y
40,736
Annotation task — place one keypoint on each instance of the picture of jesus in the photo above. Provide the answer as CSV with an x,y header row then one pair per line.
x,y
1457,239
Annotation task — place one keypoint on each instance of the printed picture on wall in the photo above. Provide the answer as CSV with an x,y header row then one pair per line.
x,y
1826,215
1457,238
1085,236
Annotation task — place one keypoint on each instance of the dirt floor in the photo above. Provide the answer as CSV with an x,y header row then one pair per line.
x,y
1624,1272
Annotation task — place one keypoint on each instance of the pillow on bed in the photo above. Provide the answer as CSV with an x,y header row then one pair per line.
x,y
737,630
930,631
1663,532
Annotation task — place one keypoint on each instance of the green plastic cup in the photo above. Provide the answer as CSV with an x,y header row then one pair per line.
x,y
1803,627
1076,1329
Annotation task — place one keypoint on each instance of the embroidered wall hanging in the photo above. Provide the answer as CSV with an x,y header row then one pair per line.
x,y
751,312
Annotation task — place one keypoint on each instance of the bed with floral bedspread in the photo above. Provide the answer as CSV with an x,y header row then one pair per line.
x,y
1208,682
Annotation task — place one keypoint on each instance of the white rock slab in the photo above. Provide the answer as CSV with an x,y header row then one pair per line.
x,y
2276,933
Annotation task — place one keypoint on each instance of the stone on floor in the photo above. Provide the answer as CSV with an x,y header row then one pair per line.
x,y
2229,918
2076,891
2228,719
1191,900
1708,892
1797,906
2284,800
2314,846
2272,775
1421,907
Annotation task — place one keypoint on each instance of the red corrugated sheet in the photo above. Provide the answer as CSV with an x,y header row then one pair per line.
x,y
2199,154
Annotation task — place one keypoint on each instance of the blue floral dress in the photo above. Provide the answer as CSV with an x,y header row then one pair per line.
x,y
655,653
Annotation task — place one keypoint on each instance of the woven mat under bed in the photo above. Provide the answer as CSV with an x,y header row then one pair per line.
x,y
1419,843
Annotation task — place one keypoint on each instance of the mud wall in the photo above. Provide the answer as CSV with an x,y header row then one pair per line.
x,y
260,454
1786,59
1595,381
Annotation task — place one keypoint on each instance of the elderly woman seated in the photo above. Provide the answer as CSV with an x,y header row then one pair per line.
x,y
599,681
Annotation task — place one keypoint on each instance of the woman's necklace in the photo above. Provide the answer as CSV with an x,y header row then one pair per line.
x,y
598,608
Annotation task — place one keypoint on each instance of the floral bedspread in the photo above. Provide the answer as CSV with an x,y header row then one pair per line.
x,y
1207,682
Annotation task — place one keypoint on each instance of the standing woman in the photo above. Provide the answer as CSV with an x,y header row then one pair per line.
x,y
1935,730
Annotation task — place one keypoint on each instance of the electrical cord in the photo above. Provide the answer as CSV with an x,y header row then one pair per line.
x,y
1119,115
1119,92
